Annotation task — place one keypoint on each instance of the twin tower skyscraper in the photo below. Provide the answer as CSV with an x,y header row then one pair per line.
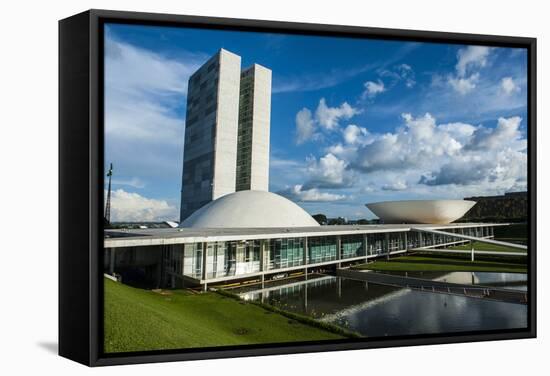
x,y
226,131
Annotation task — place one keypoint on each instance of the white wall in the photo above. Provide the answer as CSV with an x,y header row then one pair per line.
x,y
225,155
28,151
259,178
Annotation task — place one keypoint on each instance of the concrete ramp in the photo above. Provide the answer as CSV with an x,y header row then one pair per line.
x,y
477,291
472,238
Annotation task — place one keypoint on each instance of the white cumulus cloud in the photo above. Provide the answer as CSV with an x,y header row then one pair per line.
x,y
505,134
469,61
415,144
305,126
309,126
297,193
329,117
509,86
328,172
471,57
395,186
373,88
354,134
464,85
132,207
422,153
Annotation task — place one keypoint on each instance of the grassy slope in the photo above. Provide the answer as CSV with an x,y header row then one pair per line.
x,y
423,262
140,320
487,247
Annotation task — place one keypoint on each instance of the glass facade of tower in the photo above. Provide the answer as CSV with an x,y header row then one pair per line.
x,y
200,132
244,138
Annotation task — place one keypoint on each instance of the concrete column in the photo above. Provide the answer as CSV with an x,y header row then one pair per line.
x,y
420,240
472,244
204,266
263,280
339,249
305,297
433,239
339,287
267,253
262,246
306,250
406,242
365,247
387,245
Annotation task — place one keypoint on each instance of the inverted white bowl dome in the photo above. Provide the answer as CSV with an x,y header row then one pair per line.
x,y
250,209
421,211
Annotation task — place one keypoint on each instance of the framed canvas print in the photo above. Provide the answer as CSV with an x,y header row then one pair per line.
x,y
236,187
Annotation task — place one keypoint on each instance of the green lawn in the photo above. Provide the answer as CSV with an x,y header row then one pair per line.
x,y
478,246
141,320
513,240
424,262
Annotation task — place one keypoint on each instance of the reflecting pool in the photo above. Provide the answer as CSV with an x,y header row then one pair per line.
x,y
512,281
376,310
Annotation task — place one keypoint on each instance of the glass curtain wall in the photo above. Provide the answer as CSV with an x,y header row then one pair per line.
x,y
396,241
233,258
192,260
172,262
284,253
322,249
218,260
375,244
352,246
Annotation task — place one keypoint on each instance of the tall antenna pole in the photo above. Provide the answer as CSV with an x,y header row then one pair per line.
x,y
108,203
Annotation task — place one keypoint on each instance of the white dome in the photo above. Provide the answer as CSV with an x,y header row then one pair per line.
x,y
421,211
250,209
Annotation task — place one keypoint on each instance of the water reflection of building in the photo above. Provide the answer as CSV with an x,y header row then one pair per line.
x,y
325,297
372,309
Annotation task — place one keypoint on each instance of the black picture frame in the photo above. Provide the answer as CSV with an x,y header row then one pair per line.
x,y
81,178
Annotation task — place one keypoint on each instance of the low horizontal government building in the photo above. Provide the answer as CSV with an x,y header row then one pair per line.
x,y
261,235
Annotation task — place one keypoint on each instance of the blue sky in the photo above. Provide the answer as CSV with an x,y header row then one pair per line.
x,y
353,120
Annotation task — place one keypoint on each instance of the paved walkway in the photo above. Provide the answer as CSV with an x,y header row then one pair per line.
x,y
474,291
